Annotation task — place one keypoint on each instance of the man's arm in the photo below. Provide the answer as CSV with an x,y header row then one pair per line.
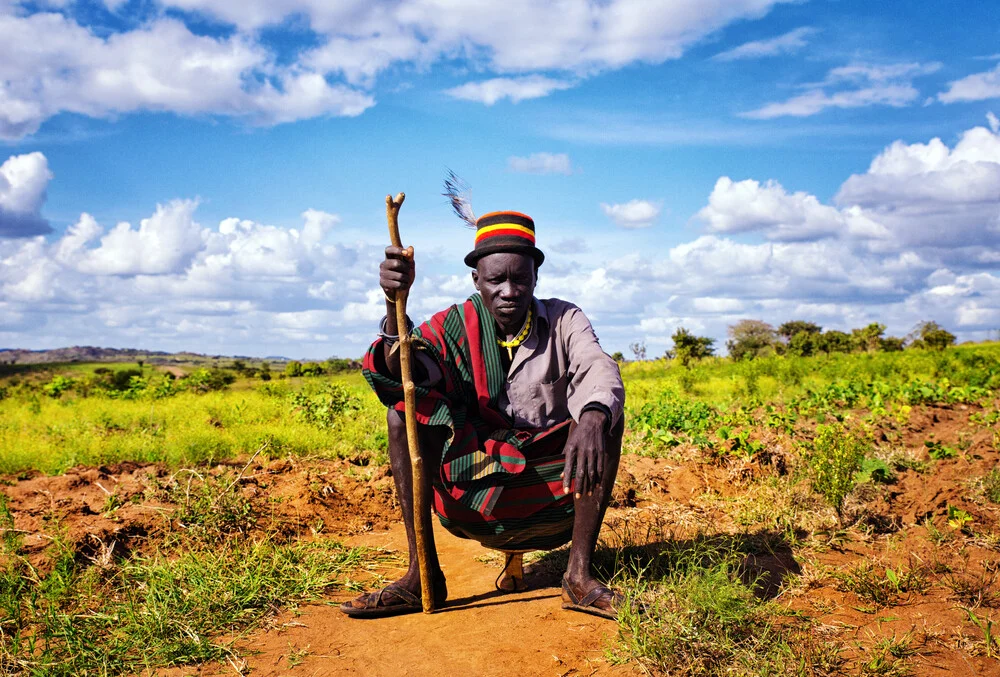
x,y
595,398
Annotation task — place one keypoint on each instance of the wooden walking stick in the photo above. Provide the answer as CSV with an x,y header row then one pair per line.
x,y
421,512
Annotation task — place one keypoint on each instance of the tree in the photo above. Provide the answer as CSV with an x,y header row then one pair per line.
x,y
834,341
891,344
790,329
868,338
932,335
293,368
312,369
618,357
265,371
689,347
638,349
804,343
239,366
750,338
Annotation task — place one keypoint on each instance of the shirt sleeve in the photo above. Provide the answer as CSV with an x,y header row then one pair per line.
x,y
594,376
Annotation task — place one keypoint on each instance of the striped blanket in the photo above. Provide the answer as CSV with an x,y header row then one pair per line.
x,y
498,485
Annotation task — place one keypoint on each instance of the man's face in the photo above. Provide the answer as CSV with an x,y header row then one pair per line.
x,y
506,282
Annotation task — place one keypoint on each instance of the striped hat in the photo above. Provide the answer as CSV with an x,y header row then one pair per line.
x,y
504,232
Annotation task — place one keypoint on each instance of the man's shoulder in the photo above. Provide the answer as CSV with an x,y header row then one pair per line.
x,y
557,308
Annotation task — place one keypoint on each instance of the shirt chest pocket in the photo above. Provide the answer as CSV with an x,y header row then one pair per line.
x,y
545,403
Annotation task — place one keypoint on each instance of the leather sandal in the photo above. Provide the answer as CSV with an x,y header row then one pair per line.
x,y
373,604
586,603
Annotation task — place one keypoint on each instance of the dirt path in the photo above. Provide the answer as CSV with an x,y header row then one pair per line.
x,y
480,632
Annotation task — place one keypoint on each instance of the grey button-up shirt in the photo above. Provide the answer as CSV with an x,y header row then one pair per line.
x,y
557,371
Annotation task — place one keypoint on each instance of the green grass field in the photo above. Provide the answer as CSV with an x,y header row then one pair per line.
x,y
810,445
82,424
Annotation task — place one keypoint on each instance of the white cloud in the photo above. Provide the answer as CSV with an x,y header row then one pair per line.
x,y
632,214
240,287
926,194
788,43
915,237
867,85
50,64
515,89
511,37
744,206
23,181
975,87
541,163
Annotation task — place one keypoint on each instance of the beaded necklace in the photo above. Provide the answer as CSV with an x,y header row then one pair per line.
x,y
519,339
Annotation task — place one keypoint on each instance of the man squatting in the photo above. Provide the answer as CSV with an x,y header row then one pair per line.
x,y
519,412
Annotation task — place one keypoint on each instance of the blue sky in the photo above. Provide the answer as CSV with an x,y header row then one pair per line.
x,y
209,175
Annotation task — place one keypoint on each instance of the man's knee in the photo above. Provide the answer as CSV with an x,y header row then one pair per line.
x,y
396,423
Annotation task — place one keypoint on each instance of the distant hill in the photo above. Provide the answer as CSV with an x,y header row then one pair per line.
x,y
94,354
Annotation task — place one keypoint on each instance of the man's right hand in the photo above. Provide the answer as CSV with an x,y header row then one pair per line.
x,y
397,272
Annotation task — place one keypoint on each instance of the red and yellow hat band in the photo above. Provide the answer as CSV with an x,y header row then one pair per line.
x,y
504,232
504,229
505,225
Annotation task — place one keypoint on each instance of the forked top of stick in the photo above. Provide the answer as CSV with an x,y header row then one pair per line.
x,y
392,216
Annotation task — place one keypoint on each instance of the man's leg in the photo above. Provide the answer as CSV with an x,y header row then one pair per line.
x,y
589,515
431,442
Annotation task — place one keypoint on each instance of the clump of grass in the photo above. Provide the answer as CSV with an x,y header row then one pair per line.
x,y
989,485
699,621
834,459
688,608
164,609
974,589
887,657
879,586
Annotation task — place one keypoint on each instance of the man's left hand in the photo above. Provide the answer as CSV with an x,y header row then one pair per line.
x,y
585,453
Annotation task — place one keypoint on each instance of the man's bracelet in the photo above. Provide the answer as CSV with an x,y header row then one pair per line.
x,y
392,338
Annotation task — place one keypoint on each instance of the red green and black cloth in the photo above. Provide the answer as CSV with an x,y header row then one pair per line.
x,y
498,485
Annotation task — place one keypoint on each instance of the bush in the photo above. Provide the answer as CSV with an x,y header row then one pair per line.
x,y
57,386
835,458
689,347
205,380
323,409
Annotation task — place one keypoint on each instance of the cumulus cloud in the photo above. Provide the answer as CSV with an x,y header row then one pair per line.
x,y
517,36
541,163
23,181
852,86
743,206
516,89
50,63
926,194
789,43
975,87
240,286
914,237
632,214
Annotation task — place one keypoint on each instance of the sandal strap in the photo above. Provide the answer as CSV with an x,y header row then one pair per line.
x,y
400,592
595,594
